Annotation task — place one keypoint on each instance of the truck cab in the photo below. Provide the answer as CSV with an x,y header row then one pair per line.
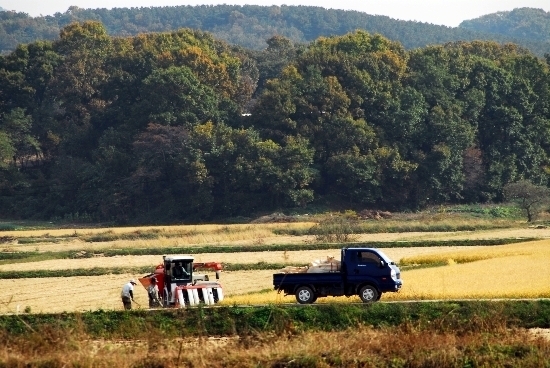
x,y
371,265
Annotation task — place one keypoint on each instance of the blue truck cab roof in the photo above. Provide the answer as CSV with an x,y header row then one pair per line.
x,y
382,255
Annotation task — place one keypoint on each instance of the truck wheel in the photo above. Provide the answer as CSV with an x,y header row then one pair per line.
x,y
368,294
304,295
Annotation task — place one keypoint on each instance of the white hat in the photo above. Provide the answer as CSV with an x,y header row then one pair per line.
x,y
133,281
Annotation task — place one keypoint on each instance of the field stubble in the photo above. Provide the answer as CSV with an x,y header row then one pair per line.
x,y
515,270
86,293
232,235
499,271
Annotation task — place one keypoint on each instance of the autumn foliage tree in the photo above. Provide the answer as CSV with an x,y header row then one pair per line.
x,y
151,127
529,197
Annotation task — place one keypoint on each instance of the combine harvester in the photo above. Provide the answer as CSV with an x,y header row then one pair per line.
x,y
180,286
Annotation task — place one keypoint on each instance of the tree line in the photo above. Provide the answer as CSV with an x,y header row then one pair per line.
x,y
250,25
179,126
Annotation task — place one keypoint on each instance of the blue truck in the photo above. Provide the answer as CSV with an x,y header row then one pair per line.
x,y
366,272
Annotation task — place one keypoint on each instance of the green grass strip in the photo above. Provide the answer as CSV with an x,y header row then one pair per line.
x,y
96,271
461,317
14,257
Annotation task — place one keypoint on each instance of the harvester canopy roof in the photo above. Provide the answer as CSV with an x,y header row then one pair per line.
x,y
179,257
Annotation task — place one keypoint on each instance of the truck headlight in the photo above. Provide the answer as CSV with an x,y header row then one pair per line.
x,y
393,275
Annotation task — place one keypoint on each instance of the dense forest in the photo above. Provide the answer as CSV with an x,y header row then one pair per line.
x,y
249,26
180,126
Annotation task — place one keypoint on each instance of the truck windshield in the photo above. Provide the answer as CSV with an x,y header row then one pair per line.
x,y
385,257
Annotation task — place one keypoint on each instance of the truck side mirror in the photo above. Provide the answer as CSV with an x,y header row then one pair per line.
x,y
382,264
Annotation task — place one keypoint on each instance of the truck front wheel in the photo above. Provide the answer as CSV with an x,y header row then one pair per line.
x,y
368,294
304,295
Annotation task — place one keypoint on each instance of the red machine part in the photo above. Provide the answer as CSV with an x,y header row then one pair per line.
x,y
159,273
215,266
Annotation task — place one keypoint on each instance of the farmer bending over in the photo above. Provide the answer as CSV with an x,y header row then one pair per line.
x,y
127,294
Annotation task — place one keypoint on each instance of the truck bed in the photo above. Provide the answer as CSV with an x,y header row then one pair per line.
x,y
280,280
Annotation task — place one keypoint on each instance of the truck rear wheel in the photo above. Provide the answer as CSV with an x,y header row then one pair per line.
x,y
304,295
368,294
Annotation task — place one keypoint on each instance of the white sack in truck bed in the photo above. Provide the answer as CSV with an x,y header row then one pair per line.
x,y
328,265
318,266
293,269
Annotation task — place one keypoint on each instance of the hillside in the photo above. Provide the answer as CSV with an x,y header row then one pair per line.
x,y
179,126
250,26
531,27
522,23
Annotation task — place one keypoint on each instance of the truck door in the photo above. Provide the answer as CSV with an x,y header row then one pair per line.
x,y
366,264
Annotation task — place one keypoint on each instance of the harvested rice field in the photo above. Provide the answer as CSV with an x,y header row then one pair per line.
x,y
245,257
507,271
249,235
189,230
85,293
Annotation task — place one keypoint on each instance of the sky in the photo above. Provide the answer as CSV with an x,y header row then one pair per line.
x,y
443,12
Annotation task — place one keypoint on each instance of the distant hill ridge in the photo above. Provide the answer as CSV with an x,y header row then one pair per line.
x,y
251,25
522,23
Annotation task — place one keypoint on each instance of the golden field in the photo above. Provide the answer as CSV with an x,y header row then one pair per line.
x,y
249,234
508,271
207,230
59,294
